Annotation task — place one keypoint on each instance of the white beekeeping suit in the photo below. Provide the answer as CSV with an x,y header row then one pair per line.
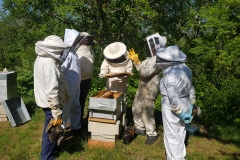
x,y
48,53
116,61
86,56
71,69
177,96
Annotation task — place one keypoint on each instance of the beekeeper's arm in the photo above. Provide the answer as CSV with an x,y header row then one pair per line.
x,y
104,69
129,66
52,81
145,68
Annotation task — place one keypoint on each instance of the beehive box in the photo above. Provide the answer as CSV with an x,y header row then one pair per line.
x,y
107,132
106,104
8,85
16,111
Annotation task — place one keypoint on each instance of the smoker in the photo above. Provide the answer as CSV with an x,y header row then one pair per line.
x,y
105,115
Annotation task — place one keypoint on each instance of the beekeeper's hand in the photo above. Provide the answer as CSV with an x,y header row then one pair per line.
x,y
186,117
133,56
101,75
55,133
53,123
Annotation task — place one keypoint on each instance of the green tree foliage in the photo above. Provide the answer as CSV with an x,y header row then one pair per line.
x,y
207,31
215,58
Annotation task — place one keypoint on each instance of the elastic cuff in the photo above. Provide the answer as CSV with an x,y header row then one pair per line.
x,y
138,62
192,101
177,110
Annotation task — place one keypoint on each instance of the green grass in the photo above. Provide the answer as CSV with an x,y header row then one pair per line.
x,y
24,143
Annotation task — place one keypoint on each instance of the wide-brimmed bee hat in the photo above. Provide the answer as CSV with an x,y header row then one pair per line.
x,y
116,52
170,54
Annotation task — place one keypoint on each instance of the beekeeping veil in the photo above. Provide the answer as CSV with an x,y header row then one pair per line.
x,y
170,56
86,39
72,37
52,46
153,42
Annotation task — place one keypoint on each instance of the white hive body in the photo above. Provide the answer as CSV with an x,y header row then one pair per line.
x,y
106,104
105,115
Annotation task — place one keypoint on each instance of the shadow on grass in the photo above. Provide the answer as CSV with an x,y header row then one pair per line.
x,y
216,134
30,105
72,143
224,152
235,156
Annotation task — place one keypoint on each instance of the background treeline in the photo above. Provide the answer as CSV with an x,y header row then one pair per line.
x,y
208,31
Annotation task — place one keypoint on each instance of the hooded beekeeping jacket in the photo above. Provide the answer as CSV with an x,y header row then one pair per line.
x,y
50,86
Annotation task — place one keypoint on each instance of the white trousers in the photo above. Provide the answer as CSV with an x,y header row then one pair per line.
x,y
174,133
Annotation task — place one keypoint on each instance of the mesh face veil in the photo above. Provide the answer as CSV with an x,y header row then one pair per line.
x,y
153,42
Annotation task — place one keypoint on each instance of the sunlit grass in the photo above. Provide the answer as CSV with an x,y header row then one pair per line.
x,y
24,143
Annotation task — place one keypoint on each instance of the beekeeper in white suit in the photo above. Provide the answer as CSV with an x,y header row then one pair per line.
x,y
147,92
178,95
86,56
71,68
50,88
116,61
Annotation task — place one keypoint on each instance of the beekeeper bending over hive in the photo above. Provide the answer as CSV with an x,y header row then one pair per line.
x,y
116,62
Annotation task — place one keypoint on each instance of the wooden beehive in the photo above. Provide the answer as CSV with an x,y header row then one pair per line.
x,y
3,114
106,104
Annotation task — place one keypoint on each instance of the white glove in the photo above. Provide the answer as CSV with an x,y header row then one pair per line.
x,y
100,75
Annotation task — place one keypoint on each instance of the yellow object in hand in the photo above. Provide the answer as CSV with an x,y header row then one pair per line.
x,y
57,122
133,56
53,122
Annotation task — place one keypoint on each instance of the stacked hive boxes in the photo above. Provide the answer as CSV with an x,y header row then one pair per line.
x,y
8,90
105,112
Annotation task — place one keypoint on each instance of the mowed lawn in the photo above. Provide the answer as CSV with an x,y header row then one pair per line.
x,y
24,143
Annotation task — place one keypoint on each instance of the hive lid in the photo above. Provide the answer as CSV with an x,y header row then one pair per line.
x,y
16,111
